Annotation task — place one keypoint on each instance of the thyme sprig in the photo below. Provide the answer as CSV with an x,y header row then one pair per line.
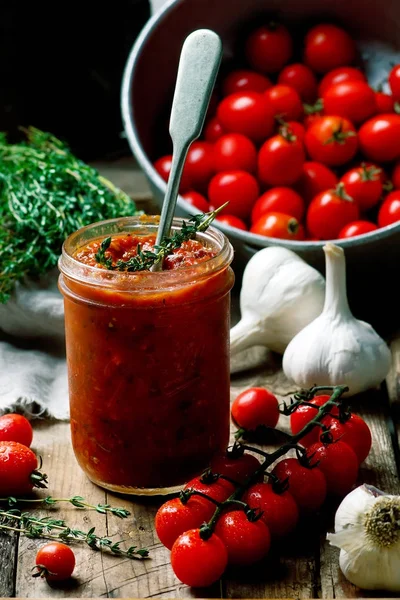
x,y
76,501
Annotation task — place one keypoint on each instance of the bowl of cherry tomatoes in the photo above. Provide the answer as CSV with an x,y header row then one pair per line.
x,y
302,135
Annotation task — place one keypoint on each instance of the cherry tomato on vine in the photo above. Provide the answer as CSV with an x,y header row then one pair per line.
x,y
364,185
246,542
269,48
219,490
278,225
195,199
199,164
328,47
255,406
175,517
234,151
247,113
280,160
280,511
55,562
306,485
232,221
314,179
302,79
389,211
379,138
396,176
354,100
163,167
329,212
355,433
279,199
17,463
236,468
339,464
213,130
394,81
384,103
245,81
356,228
331,140
239,188
304,414
285,102
15,428
197,562
292,128
340,75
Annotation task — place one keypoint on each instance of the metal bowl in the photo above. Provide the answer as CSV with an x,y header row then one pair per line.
x,y
148,83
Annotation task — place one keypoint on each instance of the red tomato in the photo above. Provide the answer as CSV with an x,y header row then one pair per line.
x,y
292,128
328,47
339,464
315,178
232,221
307,485
199,164
304,414
285,102
213,130
340,75
279,199
396,176
380,138
280,160
17,463
163,168
355,433
220,490
15,428
389,212
354,100
233,152
280,512
329,212
245,81
394,81
238,188
248,113
278,225
174,518
197,562
236,468
269,48
247,542
311,118
356,228
331,140
255,406
195,199
364,185
302,79
384,103
55,561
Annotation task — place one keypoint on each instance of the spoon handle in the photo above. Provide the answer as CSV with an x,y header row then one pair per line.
x,y
198,67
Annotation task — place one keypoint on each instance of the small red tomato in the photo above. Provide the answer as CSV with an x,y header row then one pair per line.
x,y
234,151
55,562
292,128
285,102
280,512
356,228
213,130
396,176
380,138
245,81
280,160
331,140
314,179
248,113
304,414
238,188
364,185
339,464
17,463
302,79
279,199
199,164
247,542
306,485
232,221
254,407
311,118
238,468
197,562
269,48
384,103
354,100
394,81
354,432
340,75
278,225
329,212
220,490
163,167
389,212
328,47
195,199
175,517
15,428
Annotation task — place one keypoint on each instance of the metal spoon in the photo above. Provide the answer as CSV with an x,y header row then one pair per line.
x,y
198,67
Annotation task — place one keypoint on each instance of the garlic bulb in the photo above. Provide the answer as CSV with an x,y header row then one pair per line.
x,y
337,348
367,530
280,295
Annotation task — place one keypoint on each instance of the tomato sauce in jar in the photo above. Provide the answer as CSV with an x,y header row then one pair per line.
x,y
148,356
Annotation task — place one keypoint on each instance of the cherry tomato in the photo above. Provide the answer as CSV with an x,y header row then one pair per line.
x,y
199,164
55,561
174,517
234,151
269,48
396,176
236,468
380,138
280,512
302,79
197,562
364,185
315,178
163,168
17,463
15,428
328,47
292,128
213,130
354,432
311,118
340,75
220,490
238,188
389,212
384,103
245,81
306,485
280,160
356,228
248,113
255,406
354,100
304,414
246,542
331,140
329,212
285,102
195,199
278,225
394,81
279,199
339,464
232,221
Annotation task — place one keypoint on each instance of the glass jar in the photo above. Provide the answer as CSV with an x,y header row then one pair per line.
x,y
148,363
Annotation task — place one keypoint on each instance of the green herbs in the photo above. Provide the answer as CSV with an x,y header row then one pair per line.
x,y
46,193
